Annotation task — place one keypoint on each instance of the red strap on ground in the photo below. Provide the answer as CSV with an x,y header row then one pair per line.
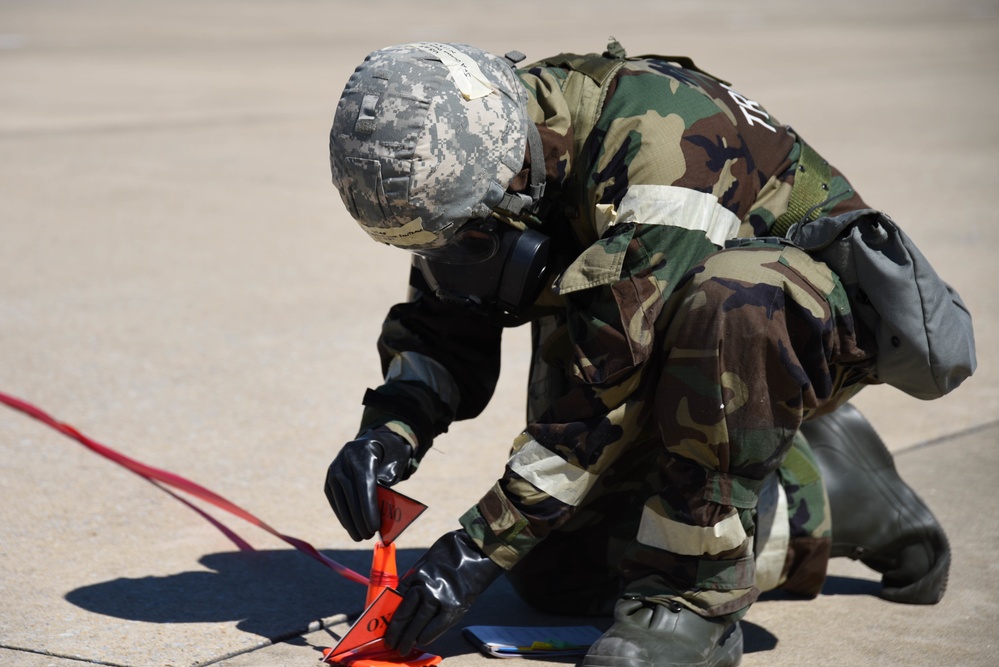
x,y
180,483
240,543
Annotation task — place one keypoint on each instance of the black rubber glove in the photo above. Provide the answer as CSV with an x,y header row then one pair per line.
x,y
439,590
379,456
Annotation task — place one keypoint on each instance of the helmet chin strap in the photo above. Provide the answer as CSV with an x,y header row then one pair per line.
x,y
537,165
517,204
520,204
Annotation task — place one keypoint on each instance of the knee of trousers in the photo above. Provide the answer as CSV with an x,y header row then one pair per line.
x,y
754,283
725,505
756,332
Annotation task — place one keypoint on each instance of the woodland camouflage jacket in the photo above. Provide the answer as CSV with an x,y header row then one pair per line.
x,y
651,166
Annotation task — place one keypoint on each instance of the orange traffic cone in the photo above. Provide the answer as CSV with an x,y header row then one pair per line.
x,y
363,645
384,573
357,648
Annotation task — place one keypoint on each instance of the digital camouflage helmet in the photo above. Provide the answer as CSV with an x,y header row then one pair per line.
x,y
428,136
425,141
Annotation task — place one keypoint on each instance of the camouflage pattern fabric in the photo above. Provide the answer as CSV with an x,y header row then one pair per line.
x,y
663,124
576,569
760,340
650,340
810,524
752,342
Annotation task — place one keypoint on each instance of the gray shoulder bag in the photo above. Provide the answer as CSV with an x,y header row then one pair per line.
x,y
926,345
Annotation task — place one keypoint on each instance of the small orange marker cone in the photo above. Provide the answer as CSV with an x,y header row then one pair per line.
x,y
363,644
384,573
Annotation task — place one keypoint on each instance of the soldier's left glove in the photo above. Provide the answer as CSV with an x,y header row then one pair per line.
x,y
439,590
378,456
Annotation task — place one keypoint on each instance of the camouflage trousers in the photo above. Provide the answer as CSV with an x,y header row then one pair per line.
x,y
754,341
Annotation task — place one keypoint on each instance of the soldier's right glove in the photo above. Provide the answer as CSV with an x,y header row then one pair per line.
x,y
437,592
379,456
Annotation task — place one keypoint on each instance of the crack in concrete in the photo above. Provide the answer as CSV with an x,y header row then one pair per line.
x,y
314,626
60,656
943,439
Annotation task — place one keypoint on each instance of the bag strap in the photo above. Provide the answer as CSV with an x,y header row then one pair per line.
x,y
809,192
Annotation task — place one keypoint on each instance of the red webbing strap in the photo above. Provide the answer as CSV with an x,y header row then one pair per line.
x,y
176,481
240,543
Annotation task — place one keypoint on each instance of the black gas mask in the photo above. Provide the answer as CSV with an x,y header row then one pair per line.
x,y
489,266
494,265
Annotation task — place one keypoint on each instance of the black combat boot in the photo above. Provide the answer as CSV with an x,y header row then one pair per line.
x,y
876,517
648,634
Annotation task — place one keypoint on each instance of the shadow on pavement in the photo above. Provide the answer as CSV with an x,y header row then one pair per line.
x,y
851,586
756,638
277,594
273,594
834,585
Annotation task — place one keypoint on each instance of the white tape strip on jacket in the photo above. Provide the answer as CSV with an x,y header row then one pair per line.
x,y
660,532
770,560
673,206
552,474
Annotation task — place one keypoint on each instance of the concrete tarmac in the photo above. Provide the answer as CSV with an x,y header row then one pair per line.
x,y
179,280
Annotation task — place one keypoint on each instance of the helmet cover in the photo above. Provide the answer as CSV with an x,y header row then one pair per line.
x,y
425,137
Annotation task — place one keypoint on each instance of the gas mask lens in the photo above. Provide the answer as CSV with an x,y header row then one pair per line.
x,y
476,241
489,266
